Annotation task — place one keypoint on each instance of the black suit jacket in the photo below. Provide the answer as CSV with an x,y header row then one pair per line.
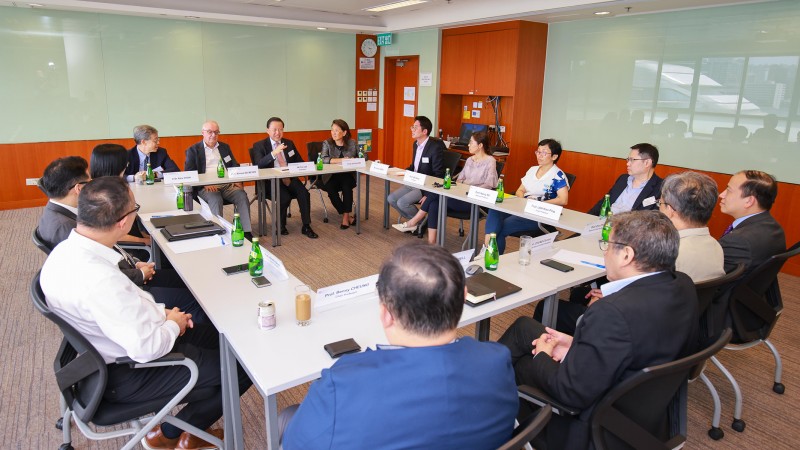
x,y
196,159
57,223
262,153
754,241
159,158
651,189
651,321
434,151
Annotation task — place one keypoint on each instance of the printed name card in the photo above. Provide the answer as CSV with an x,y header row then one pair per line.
x,y
415,178
338,294
353,163
380,168
464,257
189,176
274,266
542,209
243,172
544,242
302,167
482,194
594,227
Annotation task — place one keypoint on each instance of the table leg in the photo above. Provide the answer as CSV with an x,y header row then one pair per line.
x,y
366,198
156,253
482,329
261,187
276,218
474,227
386,204
271,412
231,408
442,221
550,311
358,203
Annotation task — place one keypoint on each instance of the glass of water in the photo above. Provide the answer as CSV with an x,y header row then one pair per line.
x,y
525,247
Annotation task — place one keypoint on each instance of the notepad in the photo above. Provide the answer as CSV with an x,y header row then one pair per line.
x,y
485,287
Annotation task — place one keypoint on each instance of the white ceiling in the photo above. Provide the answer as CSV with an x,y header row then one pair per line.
x,y
349,15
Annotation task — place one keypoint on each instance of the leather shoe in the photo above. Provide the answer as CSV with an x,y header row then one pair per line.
x,y
344,227
155,440
192,442
309,232
284,231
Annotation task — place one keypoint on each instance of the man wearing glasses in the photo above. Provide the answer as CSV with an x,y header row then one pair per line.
x,y
205,155
640,188
648,316
147,151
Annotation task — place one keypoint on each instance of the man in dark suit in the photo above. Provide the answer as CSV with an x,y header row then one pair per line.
x,y
429,161
640,188
62,182
205,155
148,151
275,151
754,236
428,388
647,316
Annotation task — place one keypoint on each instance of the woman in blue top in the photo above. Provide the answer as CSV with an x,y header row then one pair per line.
x,y
545,182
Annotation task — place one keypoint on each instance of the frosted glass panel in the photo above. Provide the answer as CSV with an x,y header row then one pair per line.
x,y
714,88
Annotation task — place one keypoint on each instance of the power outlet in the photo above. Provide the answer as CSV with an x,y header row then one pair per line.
x,y
502,129
31,181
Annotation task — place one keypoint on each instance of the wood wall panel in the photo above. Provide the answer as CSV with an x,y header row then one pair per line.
x,y
596,174
365,80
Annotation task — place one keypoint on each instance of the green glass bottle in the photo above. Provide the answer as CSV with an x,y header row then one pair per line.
x,y
179,198
361,151
607,227
320,164
237,234
447,179
501,192
221,169
492,256
255,262
150,177
606,207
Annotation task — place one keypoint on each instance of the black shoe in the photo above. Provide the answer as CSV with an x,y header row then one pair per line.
x,y
248,235
344,227
284,231
420,231
309,232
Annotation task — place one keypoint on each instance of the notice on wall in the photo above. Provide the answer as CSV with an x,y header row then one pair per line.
x,y
408,110
425,79
409,93
366,63
371,106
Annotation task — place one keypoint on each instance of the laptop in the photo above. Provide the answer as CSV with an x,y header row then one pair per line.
x,y
466,132
483,284
161,222
192,230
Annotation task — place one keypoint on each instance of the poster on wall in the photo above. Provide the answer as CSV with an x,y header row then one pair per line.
x,y
408,110
366,63
409,93
365,139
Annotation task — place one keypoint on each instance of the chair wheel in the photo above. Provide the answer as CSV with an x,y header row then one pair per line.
x,y
779,388
460,233
67,446
738,425
716,433
325,220
60,423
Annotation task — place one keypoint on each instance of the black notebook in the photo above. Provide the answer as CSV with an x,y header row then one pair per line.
x,y
485,287
161,222
191,230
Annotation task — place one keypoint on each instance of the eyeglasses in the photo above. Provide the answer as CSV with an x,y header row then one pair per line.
x,y
78,183
540,153
213,132
605,244
415,127
631,160
134,210
661,203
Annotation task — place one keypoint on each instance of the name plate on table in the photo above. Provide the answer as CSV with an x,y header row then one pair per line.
x,y
380,168
544,242
274,266
338,294
243,172
415,178
542,209
482,194
302,167
353,163
190,176
464,257
594,227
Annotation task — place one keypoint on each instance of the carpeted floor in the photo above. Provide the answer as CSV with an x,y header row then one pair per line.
x,y
30,399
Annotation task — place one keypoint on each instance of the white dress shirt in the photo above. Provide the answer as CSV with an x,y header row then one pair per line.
x,y
212,157
418,156
83,284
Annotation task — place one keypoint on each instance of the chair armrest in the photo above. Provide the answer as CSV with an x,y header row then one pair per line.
x,y
538,397
168,358
131,244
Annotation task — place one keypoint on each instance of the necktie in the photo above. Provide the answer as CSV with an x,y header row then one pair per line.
x,y
146,161
128,258
281,159
727,230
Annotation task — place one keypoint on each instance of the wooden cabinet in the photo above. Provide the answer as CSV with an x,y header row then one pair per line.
x,y
479,63
458,64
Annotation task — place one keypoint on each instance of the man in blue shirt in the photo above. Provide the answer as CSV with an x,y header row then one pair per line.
x,y
428,388
640,187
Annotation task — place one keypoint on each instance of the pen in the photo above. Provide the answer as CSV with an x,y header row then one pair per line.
x,y
599,266
222,240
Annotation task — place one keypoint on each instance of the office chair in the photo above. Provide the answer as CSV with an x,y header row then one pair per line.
x,y
640,411
465,215
754,308
542,228
81,375
39,242
45,247
450,160
526,431
316,182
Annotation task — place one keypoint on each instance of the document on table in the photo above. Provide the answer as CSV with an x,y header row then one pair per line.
x,y
201,243
583,259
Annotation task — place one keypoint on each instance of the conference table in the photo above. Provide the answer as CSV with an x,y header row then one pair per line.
x,y
289,355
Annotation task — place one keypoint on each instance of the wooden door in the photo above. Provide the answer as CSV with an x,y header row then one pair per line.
x,y
400,72
495,71
458,64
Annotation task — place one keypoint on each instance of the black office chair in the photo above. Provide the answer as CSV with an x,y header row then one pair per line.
x,y
542,228
450,159
528,429
640,412
465,215
754,308
81,375
39,242
45,247
316,182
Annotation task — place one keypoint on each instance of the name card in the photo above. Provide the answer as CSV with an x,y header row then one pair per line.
x,y
243,172
542,209
338,294
464,257
415,178
594,227
380,168
189,176
482,194
302,167
205,211
274,266
544,242
353,163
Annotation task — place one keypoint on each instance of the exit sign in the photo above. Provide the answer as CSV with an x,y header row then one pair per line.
x,y
384,39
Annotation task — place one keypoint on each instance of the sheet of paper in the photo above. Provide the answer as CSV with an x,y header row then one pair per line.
x,y
409,93
201,243
570,257
408,110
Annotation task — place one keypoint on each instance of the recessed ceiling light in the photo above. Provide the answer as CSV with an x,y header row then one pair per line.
x,y
395,5
602,13
191,17
322,28
36,5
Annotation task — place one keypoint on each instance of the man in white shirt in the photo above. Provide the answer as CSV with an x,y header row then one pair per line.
x,y
82,284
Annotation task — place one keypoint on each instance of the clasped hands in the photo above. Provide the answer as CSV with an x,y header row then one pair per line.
x,y
184,320
554,343
148,270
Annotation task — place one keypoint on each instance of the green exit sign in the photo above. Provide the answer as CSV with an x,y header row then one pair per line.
x,y
384,39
